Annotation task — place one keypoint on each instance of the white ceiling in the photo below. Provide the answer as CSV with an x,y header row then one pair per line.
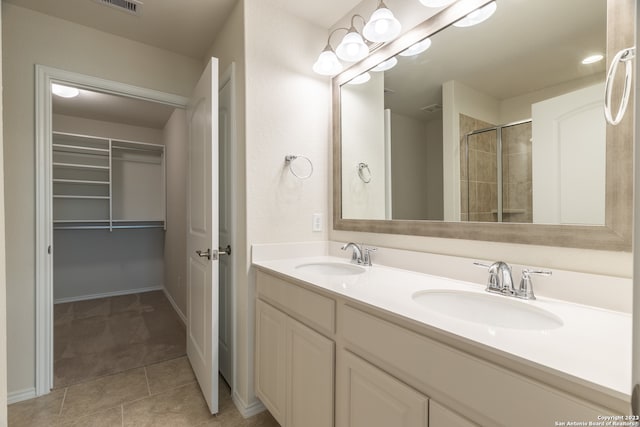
x,y
113,108
187,27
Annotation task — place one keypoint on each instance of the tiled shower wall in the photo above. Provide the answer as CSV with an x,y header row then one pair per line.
x,y
479,177
517,198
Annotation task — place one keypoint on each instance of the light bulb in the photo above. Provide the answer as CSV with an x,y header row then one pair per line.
x,y
362,78
592,59
477,16
352,47
327,63
382,26
417,48
64,91
386,65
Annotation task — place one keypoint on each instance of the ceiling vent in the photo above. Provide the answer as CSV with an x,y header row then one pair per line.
x,y
433,108
133,7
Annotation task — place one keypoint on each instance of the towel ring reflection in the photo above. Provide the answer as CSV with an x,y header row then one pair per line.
x,y
364,176
289,160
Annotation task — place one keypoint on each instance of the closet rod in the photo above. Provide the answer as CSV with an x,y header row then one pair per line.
x,y
104,227
153,150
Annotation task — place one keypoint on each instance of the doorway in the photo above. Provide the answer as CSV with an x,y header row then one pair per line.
x,y
45,209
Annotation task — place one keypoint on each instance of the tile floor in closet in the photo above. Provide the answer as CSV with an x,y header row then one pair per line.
x,y
121,361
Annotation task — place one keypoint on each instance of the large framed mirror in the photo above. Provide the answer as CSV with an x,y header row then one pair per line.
x,y
495,132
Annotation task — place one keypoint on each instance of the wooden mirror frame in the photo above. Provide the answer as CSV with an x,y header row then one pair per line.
x,y
615,235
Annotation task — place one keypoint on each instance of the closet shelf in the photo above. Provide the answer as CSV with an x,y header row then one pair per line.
x,y
67,196
80,181
79,166
80,150
107,178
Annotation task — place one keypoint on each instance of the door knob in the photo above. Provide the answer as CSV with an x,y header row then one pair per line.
x,y
204,254
225,251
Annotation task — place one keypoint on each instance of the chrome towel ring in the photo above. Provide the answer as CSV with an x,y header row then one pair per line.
x,y
289,161
626,56
364,172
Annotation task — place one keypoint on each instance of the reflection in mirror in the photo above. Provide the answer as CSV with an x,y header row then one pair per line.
x,y
499,122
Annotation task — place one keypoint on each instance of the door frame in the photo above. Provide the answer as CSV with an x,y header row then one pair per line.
x,y
229,77
44,76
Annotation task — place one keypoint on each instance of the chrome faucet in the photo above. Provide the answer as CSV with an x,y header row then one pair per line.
x,y
501,281
360,254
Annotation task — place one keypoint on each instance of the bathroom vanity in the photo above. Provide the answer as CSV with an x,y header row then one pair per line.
x,y
345,345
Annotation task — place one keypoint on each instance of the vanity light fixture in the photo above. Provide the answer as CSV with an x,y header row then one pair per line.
x,y
417,48
362,78
64,91
327,63
352,48
386,65
381,28
592,59
436,3
477,16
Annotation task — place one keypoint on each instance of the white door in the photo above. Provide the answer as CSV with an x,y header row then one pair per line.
x,y
225,341
202,234
569,158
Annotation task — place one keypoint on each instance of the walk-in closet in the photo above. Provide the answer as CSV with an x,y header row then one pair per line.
x,y
111,235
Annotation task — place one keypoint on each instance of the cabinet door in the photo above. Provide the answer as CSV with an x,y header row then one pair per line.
x,y
270,378
310,374
439,416
369,397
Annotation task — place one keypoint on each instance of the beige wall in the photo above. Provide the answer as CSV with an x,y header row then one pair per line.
x,y
363,129
175,136
32,38
79,125
287,112
3,304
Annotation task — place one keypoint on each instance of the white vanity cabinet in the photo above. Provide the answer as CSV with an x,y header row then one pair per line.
x,y
369,397
391,371
294,363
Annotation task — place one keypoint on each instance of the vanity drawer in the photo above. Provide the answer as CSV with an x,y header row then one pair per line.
x,y
307,306
482,391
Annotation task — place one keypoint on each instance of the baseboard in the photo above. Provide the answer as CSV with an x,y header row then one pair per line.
x,y
247,410
175,306
19,396
107,294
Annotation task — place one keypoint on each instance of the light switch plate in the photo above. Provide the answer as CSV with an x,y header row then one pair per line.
x,y
317,222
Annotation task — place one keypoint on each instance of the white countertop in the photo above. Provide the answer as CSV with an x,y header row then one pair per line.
x,y
593,345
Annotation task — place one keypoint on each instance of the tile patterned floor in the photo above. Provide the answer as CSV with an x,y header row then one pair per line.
x,y
158,395
105,336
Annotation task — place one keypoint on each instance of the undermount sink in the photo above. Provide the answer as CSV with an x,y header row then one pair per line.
x,y
331,268
490,310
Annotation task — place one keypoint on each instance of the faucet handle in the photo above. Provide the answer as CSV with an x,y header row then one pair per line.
x,y
367,256
525,290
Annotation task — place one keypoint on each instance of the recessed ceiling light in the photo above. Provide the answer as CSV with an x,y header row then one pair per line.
x,y
477,16
592,59
64,91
